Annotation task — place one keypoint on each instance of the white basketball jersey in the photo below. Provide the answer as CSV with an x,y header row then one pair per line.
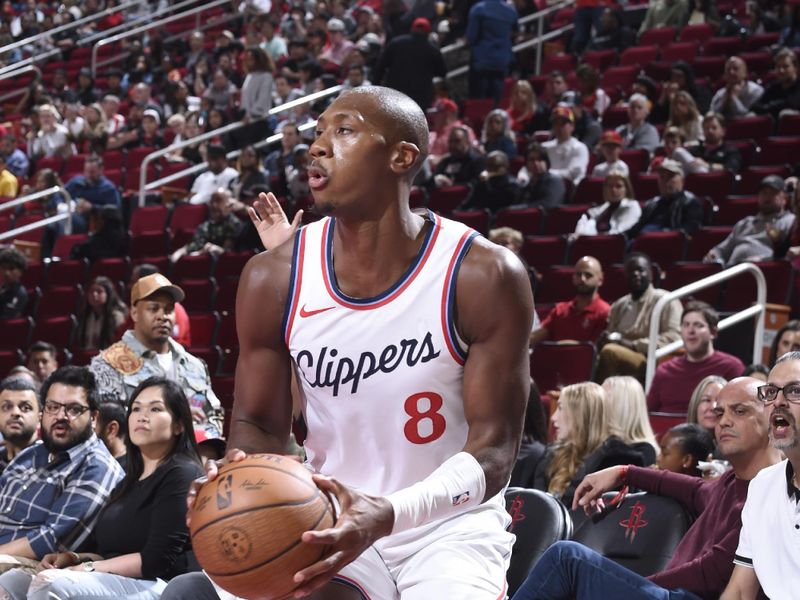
x,y
382,377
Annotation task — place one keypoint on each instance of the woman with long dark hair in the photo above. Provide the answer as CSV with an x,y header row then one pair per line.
x,y
102,314
140,540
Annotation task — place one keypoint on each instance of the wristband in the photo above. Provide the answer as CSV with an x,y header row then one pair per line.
x,y
458,485
623,474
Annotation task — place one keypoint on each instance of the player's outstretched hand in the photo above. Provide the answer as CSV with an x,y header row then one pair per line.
x,y
363,520
270,221
588,493
212,467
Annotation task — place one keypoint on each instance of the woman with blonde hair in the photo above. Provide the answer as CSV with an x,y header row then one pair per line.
x,y
684,115
701,405
618,213
626,406
527,115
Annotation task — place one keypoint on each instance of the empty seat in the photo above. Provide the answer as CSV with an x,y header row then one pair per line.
x,y
778,151
192,267
589,191
708,66
685,51
148,219
447,199
563,219
227,338
638,55
699,32
735,208
659,36
200,294
663,247
59,301
64,244
59,331
225,300
752,177
722,46
557,364
16,333
645,185
637,159
608,249
620,77
679,274
187,217
149,245
740,292
230,264
556,285
543,251
756,128
476,219
116,269
789,125
204,328
703,239
599,59
65,272
528,221
715,185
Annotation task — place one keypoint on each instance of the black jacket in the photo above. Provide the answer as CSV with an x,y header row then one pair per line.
x,y
682,212
408,64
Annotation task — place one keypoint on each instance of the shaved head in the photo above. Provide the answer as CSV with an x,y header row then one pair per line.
x,y
589,262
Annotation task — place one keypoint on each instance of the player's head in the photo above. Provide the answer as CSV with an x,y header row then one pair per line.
x,y
367,138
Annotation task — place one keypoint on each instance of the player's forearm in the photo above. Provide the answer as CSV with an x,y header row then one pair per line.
x,y
497,461
253,437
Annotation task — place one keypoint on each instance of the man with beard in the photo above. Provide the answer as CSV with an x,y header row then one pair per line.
x,y
19,417
584,317
767,554
51,493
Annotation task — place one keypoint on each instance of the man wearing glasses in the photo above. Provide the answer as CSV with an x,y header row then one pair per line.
x,y
768,555
52,492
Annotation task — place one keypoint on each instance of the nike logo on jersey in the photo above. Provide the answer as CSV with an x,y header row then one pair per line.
x,y
310,313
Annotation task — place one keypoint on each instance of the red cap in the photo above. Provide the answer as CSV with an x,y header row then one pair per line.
x,y
421,24
562,112
611,137
446,105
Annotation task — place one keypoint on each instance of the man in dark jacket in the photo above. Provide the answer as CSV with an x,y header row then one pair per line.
x,y
490,26
784,92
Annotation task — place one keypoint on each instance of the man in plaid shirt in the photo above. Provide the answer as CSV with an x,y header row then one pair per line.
x,y
52,492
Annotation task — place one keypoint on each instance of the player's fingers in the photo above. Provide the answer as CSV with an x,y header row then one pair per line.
x,y
324,537
235,455
251,212
298,219
318,574
331,486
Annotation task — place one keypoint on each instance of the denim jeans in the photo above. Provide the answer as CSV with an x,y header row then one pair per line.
x,y
53,584
484,83
571,570
585,17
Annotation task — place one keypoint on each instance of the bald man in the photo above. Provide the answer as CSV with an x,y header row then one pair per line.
x,y
738,94
585,316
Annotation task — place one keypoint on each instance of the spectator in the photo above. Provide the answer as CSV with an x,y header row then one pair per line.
x,y
587,129
787,339
683,446
757,370
16,160
569,158
738,94
54,502
221,91
108,240
52,137
144,522
73,121
111,427
283,92
497,134
495,187
148,135
757,237
297,174
584,317
664,13
94,136
534,441
526,112
182,331
462,164
675,379
555,88
102,315
540,187
91,191
273,43
298,54
280,158
9,185
115,122
681,79
251,175
219,175
613,33
20,412
714,153
703,12
674,149
623,345
409,63
784,92
216,235
13,295
512,240
593,97
675,209
618,213
42,360
355,77
626,409
338,45
85,92
587,15
638,133
584,442
610,148
445,120
684,115
256,92
148,350
196,49
490,26
703,560
702,402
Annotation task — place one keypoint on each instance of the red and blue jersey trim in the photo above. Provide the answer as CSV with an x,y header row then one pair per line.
x,y
352,584
449,297
295,282
393,292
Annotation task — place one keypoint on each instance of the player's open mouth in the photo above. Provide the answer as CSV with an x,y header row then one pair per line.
x,y
780,425
317,177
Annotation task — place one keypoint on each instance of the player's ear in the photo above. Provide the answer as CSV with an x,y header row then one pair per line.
x,y
404,155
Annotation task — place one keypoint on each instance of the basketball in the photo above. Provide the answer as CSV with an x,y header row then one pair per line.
x,y
246,525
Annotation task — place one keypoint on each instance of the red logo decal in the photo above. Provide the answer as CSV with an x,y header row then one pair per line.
x,y
310,313
635,521
516,512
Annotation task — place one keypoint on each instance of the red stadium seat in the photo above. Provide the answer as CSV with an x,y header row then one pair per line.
x,y
663,422
475,111
74,163
607,249
53,162
16,333
149,245
789,125
199,294
679,274
599,59
749,128
752,177
527,221
735,208
192,267
705,238
149,219
64,244
685,51
589,191
225,301
715,185
65,272
446,200
556,285
59,331
543,251
778,151
204,328
700,32
188,217
476,219
116,269
659,36
227,338
231,264
558,62
708,66
637,159
614,116
757,41
557,364
645,185
113,159
663,247
59,301
638,56
722,46
621,77
758,63
740,292
34,274
563,219
8,360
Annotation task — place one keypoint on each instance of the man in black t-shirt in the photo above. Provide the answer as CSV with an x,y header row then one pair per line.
x,y
13,297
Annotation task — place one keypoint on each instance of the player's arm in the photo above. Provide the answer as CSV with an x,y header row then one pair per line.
x,y
742,586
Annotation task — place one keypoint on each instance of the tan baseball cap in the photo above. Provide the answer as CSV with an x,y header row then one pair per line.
x,y
147,286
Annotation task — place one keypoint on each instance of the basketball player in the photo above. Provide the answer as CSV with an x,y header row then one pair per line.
x,y
408,334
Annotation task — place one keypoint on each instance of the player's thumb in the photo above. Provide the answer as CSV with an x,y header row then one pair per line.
x,y
298,219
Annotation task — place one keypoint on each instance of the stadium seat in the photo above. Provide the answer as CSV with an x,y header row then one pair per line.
x,y
637,159
445,200
619,77
589,191
556,364
663,422
35,235
226,333
679,274
528,221
64,244
116,269
722,46
192,267
16,333
740,292
716,184
113,160
200,294
614,116
607,249
563,219
59,331
659,36
708,66
705,238
230,264
211,355
8,360
149,245
187,217
65,272
204,328
73,164
752,176
778,151
675,51
81,358
538,520
225,300
645,186
758,41
475,111
556,285
734,208
59,301
476,219
638,56
700,33
789,125
543,251
663,247
756,128
149,219
758,63
34,274
599,59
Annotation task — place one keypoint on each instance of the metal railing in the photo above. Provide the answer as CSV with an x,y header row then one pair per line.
x,y
23,88
757,311
44,222
144,186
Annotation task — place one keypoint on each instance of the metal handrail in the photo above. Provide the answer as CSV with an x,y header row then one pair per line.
x,y
11,234
30,197
22,89
153,25
144,186
757,310
65,216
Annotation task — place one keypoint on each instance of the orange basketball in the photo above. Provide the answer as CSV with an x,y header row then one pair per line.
x,y
246,525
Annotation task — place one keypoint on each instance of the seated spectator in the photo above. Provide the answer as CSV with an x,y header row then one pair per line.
x,y
42,360
251,175
108,240
216,235
681,79
526,112
103,313
221,91
584,317
9,186
534,441
462,164
683,447
684,115
587,129
555,88
738,94
613,33
638,133
664,13
219,175
52,139
784,92
569,158
16,160
20,412
759,236
623,345
593,97
13,295
675,209
610,148
338,45
356,77
512,240
283,91
618,213
94,136
73,121
56,489
757,370
704,12
703,560
540,187
584,442
115,122
280,158
149,134
495,187
497,134
297,174
675,380
674,140
90,191
704,398
140,540
111,427
626,408
445,119
787,339
714,153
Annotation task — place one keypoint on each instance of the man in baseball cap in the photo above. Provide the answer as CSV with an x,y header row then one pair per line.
x,y
569,157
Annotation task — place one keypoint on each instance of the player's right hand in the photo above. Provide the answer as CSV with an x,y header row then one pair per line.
x,y
588,493
212,468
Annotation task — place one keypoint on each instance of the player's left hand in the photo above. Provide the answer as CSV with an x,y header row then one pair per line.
x,y
363,520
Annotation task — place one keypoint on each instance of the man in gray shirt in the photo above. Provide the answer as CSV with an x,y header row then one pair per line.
x,y
756,238
738,94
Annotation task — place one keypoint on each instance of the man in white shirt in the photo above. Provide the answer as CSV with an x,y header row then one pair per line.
x,y
115,122
219,175
738,94
569,158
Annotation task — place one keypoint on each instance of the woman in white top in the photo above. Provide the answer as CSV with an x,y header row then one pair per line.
x,y
617,214
52,137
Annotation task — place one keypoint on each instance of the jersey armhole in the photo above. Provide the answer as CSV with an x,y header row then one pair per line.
x,y
295,282
455,344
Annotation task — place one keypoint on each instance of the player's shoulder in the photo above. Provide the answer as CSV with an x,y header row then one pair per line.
x,y
491,262
270,268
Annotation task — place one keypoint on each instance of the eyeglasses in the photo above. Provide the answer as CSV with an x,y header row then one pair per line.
x,y
73,411
768,393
